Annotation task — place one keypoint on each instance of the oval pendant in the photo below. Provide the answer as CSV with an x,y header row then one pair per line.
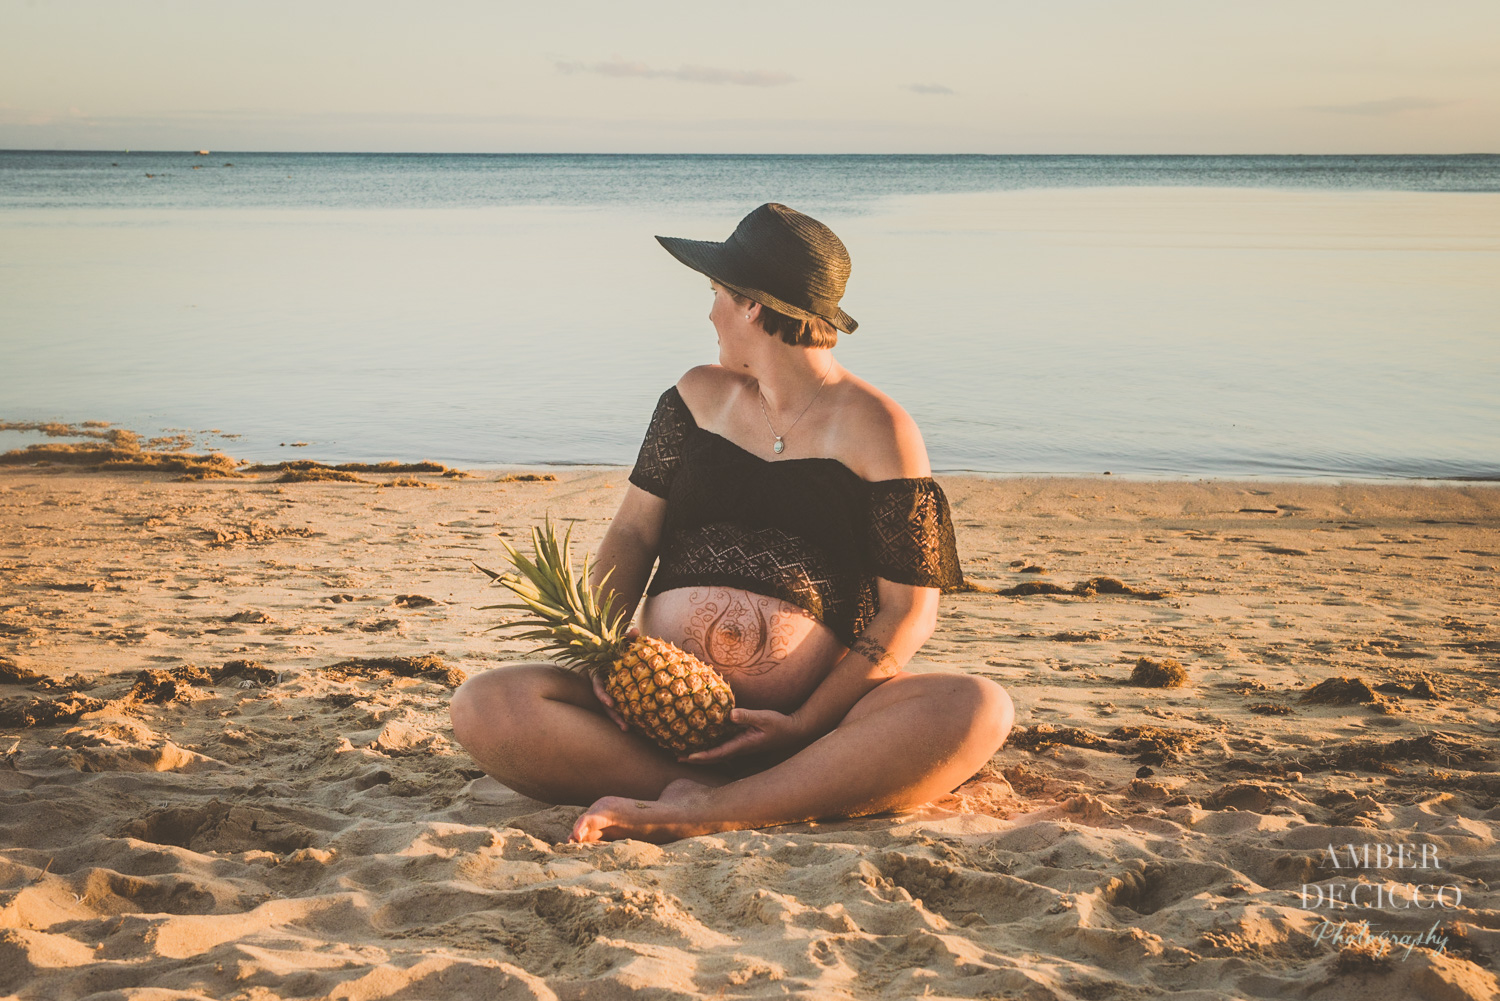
x,y
779,447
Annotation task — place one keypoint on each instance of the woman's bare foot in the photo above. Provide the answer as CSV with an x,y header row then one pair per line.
x,y
677,814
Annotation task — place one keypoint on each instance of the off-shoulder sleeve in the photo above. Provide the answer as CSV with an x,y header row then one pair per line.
x,y
910,536
661,452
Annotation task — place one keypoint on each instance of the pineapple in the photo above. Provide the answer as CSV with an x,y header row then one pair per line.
x,y
663,691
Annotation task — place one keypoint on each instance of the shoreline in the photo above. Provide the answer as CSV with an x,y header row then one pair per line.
x,y
1309,479
248,747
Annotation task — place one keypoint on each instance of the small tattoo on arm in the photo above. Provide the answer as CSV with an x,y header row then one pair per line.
x,y
876,653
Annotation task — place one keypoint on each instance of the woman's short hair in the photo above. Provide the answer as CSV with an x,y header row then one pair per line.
x,y
814,333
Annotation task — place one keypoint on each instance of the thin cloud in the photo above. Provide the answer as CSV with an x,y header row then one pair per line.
x,y
1390,106
929,88
686,74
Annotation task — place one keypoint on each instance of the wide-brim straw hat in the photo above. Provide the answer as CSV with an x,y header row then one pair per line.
x,y
779,258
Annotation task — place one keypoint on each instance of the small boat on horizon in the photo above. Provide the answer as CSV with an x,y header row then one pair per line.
x,y
203,152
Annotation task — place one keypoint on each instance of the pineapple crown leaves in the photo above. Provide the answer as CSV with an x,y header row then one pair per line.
x,y
565,610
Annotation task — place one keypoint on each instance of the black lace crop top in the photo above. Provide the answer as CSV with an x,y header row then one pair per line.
x,y
808,531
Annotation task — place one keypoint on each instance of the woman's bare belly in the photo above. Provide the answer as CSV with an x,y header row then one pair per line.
x,y
772,653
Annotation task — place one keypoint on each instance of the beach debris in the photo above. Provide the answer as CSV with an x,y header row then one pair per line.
x,y
408,481
1051,735
255,531
58,429
246,670
319,475
372,668
1422,688
1271,709
1156,745
114,450
415,601
1371,755
1340,691
252,616
1164,673
152,685
11,674
526,478
1090,588
312,471
45,712
1082,636
388,466
76,587
170,443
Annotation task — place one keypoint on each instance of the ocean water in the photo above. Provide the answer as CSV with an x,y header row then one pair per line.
x,y
1164,317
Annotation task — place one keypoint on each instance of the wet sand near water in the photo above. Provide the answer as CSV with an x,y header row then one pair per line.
x,y
228,769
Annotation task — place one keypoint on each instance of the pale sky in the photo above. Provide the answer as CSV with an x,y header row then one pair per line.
x,y
940,76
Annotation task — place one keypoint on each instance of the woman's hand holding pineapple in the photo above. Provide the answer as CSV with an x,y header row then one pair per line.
x,y
764,730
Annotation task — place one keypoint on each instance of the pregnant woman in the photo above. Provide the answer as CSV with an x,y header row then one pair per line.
x,y
802,546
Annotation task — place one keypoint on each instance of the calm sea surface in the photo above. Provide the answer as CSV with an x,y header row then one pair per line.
x,y
1165,317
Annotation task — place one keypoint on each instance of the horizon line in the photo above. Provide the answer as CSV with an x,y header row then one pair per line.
x,y
601,153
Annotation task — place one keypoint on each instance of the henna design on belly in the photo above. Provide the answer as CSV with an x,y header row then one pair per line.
x,y
738,633
875,652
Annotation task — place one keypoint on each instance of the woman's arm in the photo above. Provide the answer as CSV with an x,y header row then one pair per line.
x,y
906,619
630,547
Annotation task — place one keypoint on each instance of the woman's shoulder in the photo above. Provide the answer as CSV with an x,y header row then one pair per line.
x,y
705,389
878,436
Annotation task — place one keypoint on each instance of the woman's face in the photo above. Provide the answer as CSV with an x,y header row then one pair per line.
x,y
728,318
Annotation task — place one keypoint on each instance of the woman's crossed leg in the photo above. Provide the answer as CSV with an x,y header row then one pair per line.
x,y
539,730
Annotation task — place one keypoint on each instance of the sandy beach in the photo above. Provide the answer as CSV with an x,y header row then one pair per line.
x,y
228,770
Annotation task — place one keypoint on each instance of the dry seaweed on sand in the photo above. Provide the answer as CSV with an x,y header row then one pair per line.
x,y
430,667
1422,688
1374,755
1271,709
246,670
12,674
1090,588
526,478
43,712
1340,692
58,429
415,601
388,466
1150,672
319,474
1155,745
124,455
1049,735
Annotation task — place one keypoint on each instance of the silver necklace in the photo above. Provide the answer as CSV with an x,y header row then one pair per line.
x,y
780,444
